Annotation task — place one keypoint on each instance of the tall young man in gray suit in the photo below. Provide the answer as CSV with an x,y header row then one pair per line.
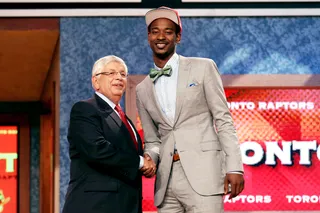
x,y
189,132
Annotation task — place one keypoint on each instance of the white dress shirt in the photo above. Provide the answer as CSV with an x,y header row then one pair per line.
x,y
112,105
166,88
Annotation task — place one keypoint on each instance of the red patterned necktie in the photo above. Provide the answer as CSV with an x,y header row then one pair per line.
x,y
125,121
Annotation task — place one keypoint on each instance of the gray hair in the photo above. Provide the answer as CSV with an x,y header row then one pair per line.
x,y
102,62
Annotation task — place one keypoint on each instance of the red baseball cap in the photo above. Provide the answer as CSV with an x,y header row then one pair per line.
x,y
163,12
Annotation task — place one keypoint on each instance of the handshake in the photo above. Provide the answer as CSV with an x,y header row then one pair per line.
x,y
149,167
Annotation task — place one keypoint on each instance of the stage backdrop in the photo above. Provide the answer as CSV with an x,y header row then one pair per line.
x,y
238,46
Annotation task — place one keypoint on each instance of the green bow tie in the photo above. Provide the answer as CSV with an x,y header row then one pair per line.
x,y
155,74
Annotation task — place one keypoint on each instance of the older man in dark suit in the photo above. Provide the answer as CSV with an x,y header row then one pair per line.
x,y
105,148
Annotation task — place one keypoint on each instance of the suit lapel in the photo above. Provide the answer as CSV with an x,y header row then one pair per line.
x,y
156,102
108,112
116,118
184,71
112,118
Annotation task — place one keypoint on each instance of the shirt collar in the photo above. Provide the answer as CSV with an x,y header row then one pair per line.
x,y
111,104
172,61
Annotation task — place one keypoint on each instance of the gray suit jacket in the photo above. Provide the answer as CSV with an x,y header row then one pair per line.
x,y
203,129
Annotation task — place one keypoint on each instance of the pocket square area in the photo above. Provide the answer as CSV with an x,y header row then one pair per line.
x,y
192,84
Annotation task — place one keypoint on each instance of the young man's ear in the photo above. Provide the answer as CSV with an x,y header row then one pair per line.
x,y
178,38
149,37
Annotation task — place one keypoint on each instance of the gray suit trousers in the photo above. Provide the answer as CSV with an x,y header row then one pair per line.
x,y
181,198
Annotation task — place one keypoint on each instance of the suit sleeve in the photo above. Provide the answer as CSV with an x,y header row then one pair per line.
x,y
151,135
223,121
86,133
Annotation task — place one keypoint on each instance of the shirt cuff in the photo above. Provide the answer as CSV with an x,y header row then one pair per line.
x,y
234,172
141,162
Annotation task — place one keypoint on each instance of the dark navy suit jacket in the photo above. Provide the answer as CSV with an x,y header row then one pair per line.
x,y
104,170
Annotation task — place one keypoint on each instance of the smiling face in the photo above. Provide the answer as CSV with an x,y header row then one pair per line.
x,y
113,85
162,38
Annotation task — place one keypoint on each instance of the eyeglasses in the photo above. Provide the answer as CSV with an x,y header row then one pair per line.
x,y
113,74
